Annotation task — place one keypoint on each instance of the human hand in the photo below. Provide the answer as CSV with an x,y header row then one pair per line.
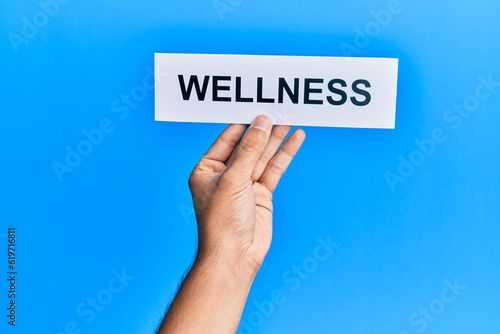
x,y
232,188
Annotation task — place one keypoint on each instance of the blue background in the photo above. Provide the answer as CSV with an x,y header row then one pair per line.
x,y
127,204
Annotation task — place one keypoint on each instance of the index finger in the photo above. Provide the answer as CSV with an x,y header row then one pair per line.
x,y
224,145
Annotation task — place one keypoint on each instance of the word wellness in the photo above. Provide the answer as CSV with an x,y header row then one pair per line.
x,y
311,86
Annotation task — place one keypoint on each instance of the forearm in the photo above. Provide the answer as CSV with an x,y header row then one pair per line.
x,y
211,299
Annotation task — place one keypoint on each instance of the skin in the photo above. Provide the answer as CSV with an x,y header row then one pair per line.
x,y
232,188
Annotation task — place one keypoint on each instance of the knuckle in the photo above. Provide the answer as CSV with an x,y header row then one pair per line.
x,y
266,195
287,153
251,145
266,185
281,135
276,168
229,140
266,157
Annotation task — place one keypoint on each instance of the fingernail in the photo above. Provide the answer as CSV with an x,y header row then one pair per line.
x,y
262,122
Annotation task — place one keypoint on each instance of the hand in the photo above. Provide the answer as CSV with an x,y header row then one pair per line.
x,y
232,188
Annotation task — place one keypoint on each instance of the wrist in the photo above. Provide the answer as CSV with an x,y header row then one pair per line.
x,y
231,265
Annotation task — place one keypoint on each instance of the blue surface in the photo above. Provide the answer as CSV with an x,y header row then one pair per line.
x,y
127,204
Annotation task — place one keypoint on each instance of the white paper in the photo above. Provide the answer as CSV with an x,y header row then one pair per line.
x,y
379,111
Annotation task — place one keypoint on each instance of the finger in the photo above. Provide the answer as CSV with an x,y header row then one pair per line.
x,y
251,147
224,145
231,158
278,131
279,163
278,135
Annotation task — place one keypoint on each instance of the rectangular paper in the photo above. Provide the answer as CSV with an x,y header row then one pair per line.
x,y
294,90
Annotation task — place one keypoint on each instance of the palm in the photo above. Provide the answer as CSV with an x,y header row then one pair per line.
x,y
242,202
254,216
263,230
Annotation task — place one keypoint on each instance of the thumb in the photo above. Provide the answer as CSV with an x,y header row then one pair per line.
x,y
251,147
